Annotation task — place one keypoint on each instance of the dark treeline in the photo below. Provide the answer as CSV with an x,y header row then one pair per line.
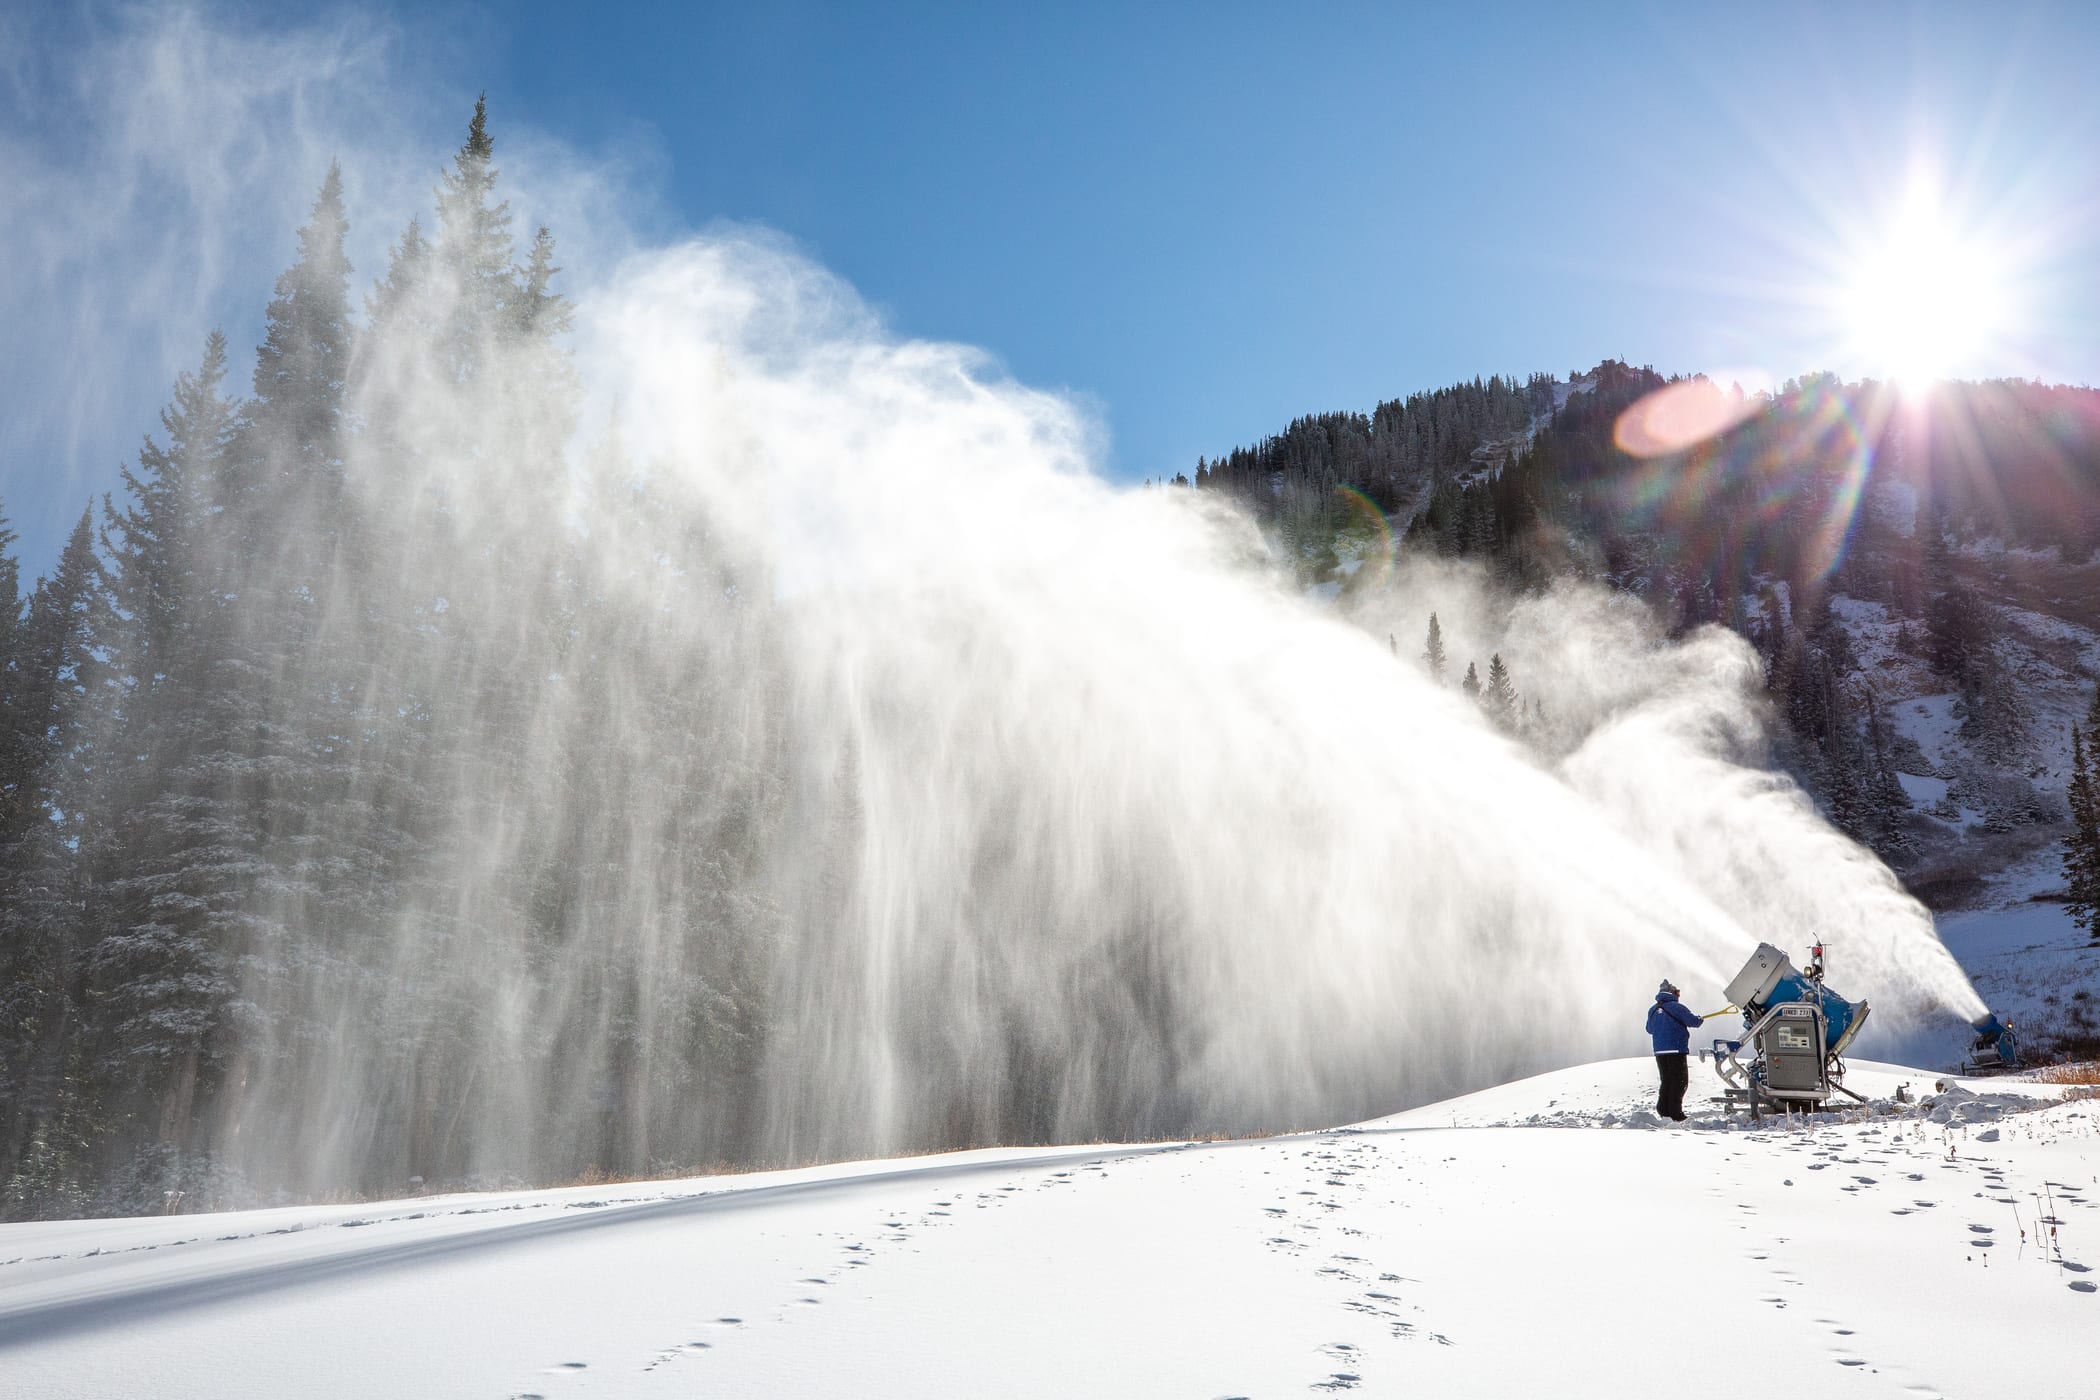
x,y
1757,530
305,709
1395,456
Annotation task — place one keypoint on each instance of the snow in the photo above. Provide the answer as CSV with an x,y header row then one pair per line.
x,y
1565,389
1931,721
1922,791
1994,549
1529,1239
2044,627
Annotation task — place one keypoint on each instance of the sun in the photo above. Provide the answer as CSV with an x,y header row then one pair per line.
x,y
1924,297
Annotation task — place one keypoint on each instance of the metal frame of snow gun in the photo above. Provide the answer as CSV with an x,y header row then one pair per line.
x,y
1744,1084
1795,1028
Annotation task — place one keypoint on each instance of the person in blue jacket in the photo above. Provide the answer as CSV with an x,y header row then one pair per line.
x,y
1670,1024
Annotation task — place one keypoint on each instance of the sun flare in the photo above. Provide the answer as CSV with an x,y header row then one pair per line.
x,y
1924,297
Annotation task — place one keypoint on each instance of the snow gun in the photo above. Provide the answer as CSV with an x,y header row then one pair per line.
x,y
1795,1031
1995,1049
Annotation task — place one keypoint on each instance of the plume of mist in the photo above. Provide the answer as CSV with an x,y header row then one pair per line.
x,y
813,757
154,160
1670,740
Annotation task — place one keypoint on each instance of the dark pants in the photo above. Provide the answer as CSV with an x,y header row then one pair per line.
x,y
1676,1073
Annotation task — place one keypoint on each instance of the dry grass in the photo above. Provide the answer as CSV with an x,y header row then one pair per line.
x,y
2079,1072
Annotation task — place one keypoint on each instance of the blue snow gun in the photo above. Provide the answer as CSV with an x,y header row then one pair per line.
x,y
1995,1046
1770,979
1794,1030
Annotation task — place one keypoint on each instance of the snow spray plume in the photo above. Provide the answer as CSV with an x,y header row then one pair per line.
x,y
1668,740
832,766
820,761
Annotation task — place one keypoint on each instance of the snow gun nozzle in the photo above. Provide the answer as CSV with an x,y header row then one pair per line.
x,y
1995,1046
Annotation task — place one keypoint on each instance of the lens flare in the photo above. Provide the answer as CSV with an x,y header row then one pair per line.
x,y
1365,525
1680,416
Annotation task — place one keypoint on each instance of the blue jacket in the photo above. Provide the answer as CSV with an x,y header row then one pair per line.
x,y
1670,1024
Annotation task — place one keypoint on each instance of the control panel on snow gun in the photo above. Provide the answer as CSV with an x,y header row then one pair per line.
x,y
1795,1029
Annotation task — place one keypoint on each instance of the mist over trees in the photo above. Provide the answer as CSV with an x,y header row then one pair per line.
x,y
290,706
1756,530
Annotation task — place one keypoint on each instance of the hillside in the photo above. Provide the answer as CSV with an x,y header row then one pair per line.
x,y
1918,579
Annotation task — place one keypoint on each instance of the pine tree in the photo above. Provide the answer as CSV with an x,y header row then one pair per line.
x,y
43,906
1499,699
1887,802
398,294
157,545
1433,651
304,361
2081,845
171,857
473,254
14,743
543,312
1471,684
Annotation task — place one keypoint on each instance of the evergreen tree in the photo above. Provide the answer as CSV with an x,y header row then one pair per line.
x,y
2081,844
1471,684
304,361
156,575
171,858
43,911
473,254
407,276
1886,801
1433,651
14,743
1499,698
544,312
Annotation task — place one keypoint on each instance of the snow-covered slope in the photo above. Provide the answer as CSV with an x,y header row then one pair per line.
x,y
1527,1240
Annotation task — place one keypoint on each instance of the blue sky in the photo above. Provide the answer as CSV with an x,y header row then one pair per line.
x,y
1207,219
